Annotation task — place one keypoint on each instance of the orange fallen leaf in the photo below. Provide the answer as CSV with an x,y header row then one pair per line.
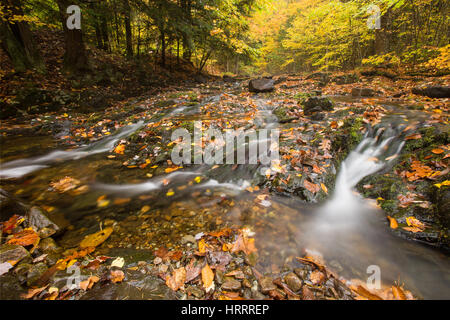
x,y
117,276
207,278
89,283
96,239
177,279
393,223
25,238
311,187
437,151
119,149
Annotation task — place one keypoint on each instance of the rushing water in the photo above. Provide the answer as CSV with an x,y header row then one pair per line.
x,y
350,234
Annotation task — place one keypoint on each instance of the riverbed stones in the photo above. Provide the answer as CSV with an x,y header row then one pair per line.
x,y
12,252
231,285
261,85
48,245
432,91
266,285
293,282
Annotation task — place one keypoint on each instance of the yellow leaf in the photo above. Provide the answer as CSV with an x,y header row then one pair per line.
x,y
96,239
120,149
324,188
170,193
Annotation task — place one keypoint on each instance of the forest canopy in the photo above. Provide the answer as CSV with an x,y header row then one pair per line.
x,y
239,36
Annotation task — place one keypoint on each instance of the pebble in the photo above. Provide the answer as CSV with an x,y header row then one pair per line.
x,y
293,282
231,285
266,285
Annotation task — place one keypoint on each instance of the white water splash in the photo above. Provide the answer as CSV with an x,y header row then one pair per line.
x,y
19,168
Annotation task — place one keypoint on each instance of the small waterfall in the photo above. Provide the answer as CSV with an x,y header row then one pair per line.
x,y
348,230
19,168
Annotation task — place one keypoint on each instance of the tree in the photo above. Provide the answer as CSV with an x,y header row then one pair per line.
x,y
17,39
75,57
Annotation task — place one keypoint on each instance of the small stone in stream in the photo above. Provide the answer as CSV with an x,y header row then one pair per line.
x,y
195,291
231,285
432,91
246,283
219,276
35,273
266,284
261,85
318,116
277,294
293,282
12,252
49,245
363,92
21,270
188,238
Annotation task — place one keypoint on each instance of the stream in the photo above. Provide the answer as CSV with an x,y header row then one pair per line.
x,y
349,233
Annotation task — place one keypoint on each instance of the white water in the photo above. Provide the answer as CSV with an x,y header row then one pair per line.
x,y
19,168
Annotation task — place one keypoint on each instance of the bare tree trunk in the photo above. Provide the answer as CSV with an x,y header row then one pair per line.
x,y
75,58
128,29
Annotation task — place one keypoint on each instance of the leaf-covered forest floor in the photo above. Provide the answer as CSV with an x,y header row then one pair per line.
x,y
188,239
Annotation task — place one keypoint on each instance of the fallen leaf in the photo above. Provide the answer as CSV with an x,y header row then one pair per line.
x,y
95,239
207,278
311,187
393,223
25,238
117,276
118,262
177,279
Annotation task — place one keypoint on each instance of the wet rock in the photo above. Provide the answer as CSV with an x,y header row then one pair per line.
x,y
195,291
49,245
261,85
137,286
293,282
443,206
12,252
322,76
280,80
227,78
317,104
39,220
432,91
36,273
363,92
10,206
266,284
10,287
231,285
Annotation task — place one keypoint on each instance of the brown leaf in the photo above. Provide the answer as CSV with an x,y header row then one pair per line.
x,y
89,283
311,187
177,279
317,277
398,293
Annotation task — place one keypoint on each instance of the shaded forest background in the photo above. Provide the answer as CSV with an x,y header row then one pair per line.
x,y
128,47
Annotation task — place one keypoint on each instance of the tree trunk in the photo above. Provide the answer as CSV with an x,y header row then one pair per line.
x,y
128,29
75,57
17,40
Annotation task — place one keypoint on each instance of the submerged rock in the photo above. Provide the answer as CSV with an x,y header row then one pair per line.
x,y
432,91
293,282
12,252
137,286
261,85
266,285
39,220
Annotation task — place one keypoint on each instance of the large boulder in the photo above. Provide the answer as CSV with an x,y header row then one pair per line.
x,y
261,85
432,91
